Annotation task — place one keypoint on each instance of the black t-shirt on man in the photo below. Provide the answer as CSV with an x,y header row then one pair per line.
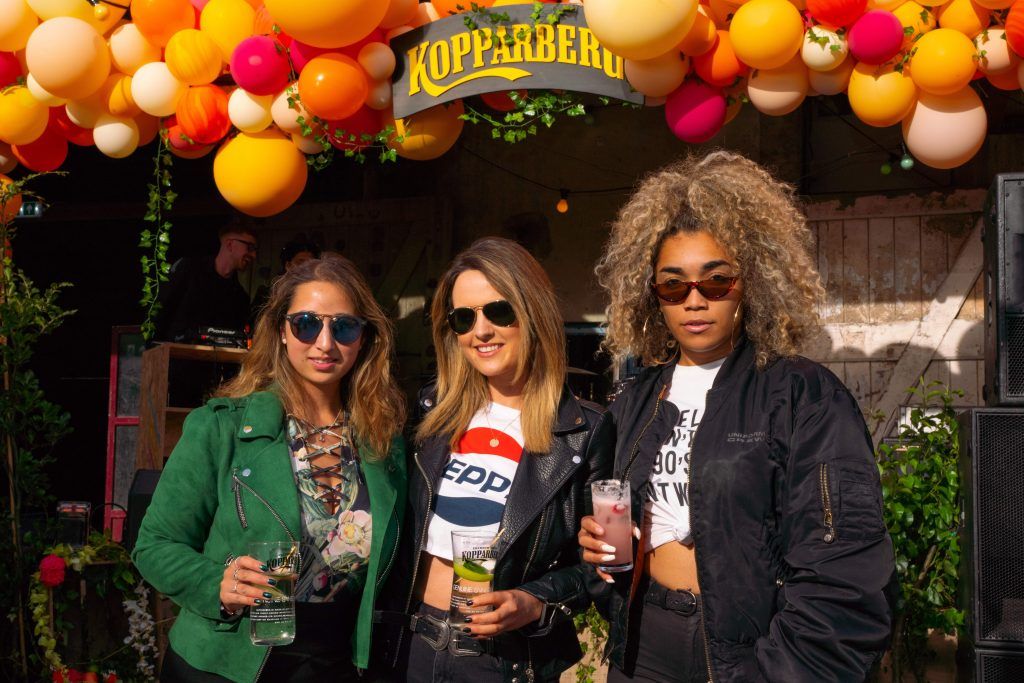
x,y
197,296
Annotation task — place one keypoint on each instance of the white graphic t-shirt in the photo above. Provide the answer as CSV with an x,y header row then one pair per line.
x,y
477,478
666,503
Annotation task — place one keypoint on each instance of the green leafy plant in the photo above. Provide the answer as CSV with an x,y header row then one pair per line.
x,y
922,506
156,238
531,110
592,630
30,425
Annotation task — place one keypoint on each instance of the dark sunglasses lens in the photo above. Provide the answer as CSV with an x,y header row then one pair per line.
x,y
306,327
500,313
672,291
461,320
715,289
346,329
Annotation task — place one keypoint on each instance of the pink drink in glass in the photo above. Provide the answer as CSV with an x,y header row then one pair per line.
x,y
611,510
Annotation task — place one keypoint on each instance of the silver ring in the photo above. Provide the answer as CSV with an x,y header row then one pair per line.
x,y
234,574
234,588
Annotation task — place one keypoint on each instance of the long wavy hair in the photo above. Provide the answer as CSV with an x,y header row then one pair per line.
x,y
752,216
461,390
369,391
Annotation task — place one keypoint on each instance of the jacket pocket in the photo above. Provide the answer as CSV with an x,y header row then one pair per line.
x,y
861,491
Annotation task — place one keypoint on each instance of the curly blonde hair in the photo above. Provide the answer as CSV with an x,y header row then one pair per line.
x,y
752,215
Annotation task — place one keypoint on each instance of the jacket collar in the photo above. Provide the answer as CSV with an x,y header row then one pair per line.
x,y
263,417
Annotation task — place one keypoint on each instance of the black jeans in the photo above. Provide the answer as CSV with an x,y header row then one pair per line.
x,y
322,650
420,663
671,641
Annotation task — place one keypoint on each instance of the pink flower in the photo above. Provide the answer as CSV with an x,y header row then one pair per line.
x,y
51,571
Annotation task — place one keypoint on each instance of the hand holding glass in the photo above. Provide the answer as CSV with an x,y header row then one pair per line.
x,y
612,511
273,621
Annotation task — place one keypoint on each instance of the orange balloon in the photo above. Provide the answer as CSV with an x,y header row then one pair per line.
x,y
719,66
333,86
158,20
1006,80
203,114
427,134
149,126
701,37
13,203
446,8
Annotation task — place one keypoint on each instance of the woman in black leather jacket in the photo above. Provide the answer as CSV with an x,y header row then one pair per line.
x,y
506,449
762,553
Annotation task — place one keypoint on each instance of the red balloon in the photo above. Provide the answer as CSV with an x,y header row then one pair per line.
x,y
10,69
179,144
1015,28
366,121
302,53
500,101
203,114
48,151
74,133
836,13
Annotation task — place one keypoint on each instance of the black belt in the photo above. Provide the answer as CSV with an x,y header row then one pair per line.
x,y
683,601
437,633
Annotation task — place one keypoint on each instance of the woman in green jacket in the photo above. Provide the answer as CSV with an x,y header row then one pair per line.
x,y
304,445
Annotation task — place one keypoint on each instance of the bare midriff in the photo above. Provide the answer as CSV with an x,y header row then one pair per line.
x,y
674,566
434,583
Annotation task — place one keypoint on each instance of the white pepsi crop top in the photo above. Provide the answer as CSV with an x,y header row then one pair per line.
x,y
666,499
477,478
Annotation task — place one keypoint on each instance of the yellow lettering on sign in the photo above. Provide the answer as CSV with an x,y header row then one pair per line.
x,y
566,36
482,42
613,65
590,49
417,67
545,43
460,48
501,53
440,61
524,42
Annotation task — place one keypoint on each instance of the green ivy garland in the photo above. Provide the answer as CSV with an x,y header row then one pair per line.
x,y
156,239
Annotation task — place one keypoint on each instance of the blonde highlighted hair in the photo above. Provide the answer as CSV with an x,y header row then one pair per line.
x,y
541,363
752,216
369,392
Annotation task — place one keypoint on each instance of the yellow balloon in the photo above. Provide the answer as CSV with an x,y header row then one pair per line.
x,y
68,57
17,22
116,96
428,134
994,4
766,33
879,95
129,49
102,17
23,118
193,57
659,76
965,16
227,22
945,131
640,29
328,23
918,18
260,174
779,91
943,62
702,34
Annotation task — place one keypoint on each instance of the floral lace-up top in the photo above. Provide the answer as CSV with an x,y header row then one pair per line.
x,y
336,523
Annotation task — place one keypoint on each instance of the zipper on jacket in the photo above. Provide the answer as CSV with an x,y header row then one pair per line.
x,y
239,508
266,656
419,551
707,645
703,626
239,482
394,552
636,446
526,569
826,504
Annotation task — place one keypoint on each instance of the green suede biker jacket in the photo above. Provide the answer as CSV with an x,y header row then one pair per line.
x,y
229,482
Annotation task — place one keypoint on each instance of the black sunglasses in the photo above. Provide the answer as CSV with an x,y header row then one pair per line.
x,y
714,287
306,326
462,319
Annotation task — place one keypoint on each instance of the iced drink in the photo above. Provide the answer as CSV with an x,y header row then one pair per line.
x,y
473,562
611,510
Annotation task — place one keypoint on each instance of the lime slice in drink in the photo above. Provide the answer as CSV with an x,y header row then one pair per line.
x,y
468,569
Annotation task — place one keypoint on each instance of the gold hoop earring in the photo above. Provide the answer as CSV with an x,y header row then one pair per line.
x,y
735,326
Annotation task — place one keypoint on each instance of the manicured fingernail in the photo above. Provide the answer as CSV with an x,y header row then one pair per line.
x,y
469,620
608,548
272,582
264,567
465,629
267,595
257,601
609,580
607,558
469,602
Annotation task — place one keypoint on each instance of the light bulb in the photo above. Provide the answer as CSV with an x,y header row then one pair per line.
x,y
907,162
886,168
562,206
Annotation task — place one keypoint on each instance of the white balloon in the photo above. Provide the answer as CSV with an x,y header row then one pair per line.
x,y
307,144
995,55
284,116
116,137
379,95
823,50
44,97
8,162
250,113
832,82
85,113
156,90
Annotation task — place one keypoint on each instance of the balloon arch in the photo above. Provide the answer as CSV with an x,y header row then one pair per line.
x,y
268,83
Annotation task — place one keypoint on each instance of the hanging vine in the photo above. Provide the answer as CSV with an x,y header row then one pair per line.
x,y
156,238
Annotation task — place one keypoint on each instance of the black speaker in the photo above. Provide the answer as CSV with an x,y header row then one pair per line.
x,y
993,666
139,496
1004,291
992,552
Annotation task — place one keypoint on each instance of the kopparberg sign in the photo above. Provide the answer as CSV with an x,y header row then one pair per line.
x,y
445,60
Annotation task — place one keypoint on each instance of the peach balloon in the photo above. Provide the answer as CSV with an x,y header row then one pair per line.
x,y
156,90
250,113
995,55
425,13
398,13
116,137
129,49
377,60
41,94
148,127
766,33
101,16
285,115
659,76
85,112
379,95
640,29
945,131
965,16
701,36
777,92
832,82
17,22
879,95
428,134
22,118
68,57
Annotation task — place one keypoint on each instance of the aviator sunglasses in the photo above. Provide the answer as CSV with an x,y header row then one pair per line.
x,y
714,287
306,326
462,319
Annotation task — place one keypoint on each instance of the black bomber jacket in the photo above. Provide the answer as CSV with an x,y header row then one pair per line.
x,y
538,551
793,558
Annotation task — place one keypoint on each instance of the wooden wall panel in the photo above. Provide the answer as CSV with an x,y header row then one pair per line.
x,y
882,270
856,271
907,267
830,267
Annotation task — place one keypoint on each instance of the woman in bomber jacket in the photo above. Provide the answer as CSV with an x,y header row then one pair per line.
x,y
762,553
504,449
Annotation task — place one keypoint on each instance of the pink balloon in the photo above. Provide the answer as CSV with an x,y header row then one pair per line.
x,y
876,37
10,69
199,4
695,111
302,53
260,66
